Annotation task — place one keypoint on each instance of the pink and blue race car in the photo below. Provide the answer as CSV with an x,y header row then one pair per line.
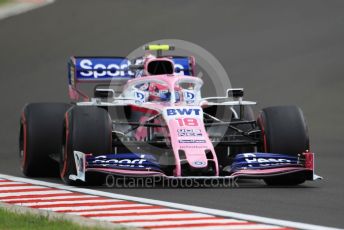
x,y
146,118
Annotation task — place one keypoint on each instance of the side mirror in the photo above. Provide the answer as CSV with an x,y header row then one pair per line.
x,y
236,93
104,93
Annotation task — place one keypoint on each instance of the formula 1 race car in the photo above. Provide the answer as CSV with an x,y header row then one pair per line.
x,y
147,118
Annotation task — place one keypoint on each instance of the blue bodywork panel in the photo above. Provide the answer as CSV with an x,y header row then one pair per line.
x,y
101,68
182,65
263,161
111,68
137,161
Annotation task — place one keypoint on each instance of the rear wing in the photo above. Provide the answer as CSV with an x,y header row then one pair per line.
x,y
102,70
112,71
183,65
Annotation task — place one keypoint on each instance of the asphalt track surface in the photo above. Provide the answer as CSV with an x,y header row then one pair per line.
x,y
281,52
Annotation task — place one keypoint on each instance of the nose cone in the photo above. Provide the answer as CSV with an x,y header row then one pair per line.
x,y
189,139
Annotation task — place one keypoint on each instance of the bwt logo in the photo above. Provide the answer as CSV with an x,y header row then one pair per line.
x,y
101,70
172,112
140,96
189,96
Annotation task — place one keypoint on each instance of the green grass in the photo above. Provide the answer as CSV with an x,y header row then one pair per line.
x,y
4,1
11,220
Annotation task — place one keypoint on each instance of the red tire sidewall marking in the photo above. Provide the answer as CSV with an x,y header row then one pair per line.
x,y
265,144
63,172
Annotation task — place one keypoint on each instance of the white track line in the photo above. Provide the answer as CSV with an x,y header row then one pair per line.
x,y
210,211
235,227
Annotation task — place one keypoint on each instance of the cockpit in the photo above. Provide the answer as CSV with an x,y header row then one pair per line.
x,y
164,88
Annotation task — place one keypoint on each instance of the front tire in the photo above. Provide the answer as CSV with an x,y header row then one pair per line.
x,y
88,129
41,131
284,132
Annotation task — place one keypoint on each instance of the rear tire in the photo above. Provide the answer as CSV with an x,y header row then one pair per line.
x,y
41,131
284,132
88,129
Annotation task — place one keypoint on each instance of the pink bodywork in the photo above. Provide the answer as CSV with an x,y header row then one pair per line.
x,y
195,152
194,147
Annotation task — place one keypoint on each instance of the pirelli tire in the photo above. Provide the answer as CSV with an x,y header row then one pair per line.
x,y
41,131
284,131
87,129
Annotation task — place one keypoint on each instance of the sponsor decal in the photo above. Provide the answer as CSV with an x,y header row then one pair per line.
x,y
105,161
179,69
251,158
182,66
199,163
193,147
189,132
189,95
140,96
192,141
183,111
104,68
80,165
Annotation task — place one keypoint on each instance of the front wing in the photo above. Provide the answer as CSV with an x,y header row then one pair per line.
x,y
245,165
